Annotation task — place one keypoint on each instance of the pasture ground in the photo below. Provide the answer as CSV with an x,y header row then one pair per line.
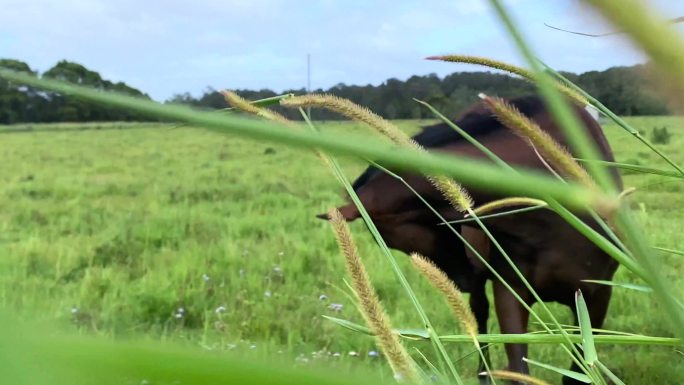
x,y
184,235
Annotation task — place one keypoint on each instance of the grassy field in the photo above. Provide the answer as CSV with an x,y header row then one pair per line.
x,y
180,234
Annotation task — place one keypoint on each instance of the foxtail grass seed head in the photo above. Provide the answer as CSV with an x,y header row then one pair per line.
x,y
486,62
452,191
370,305
514,376
441,282
236,101
507,202
626,192
525,128
510,68
353,111
239,103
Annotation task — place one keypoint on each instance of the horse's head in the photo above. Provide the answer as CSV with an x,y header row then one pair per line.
x,y
407,225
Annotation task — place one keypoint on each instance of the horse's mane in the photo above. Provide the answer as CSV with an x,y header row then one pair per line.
x,y
476,121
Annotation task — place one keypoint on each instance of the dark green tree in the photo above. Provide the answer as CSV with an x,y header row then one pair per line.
x,y
66,108
18,103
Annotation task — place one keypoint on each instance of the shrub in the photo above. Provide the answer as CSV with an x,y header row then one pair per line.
x,y
660,135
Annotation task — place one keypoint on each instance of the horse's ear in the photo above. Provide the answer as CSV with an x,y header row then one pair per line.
x,y
349,213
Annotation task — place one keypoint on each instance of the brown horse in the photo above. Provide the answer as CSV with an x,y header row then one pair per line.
x,y
552,255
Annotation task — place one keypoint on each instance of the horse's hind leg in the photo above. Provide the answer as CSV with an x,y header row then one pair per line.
x,y
597,305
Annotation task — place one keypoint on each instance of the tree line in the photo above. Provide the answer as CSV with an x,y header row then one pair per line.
x,y
625,90
21,104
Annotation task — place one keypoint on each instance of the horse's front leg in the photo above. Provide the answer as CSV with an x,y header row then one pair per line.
x,y
480,306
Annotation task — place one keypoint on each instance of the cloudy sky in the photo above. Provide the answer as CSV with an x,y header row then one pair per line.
x,y
174,46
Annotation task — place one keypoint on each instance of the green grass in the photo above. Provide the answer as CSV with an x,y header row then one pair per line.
x,y
112,231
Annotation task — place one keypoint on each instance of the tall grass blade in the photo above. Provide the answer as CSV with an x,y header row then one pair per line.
x,y
466,136
564,372
555,339
435,372
450,189
651,32
515,376
624,259
499,214
671,251
439,348
618,120
624,285
475,173
539,139
506,67
649,262
527,338
265,102
567,347
588,347
413,334
491,269
635,168
604,369
241,104
570,218
558,106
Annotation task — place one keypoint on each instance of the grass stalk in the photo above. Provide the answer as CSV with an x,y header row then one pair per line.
x,y
372,309
506,67
508,202
558,107
492,270
526,129
453,296
514,376
452,191
618,120
433,336
476,173
653,34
